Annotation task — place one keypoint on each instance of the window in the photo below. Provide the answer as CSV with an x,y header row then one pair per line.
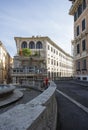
x,y
57,63
17,70
51,49
83,25
24,45
84,78
77,30
83,45
57,52
39,45
78,78
14,70
78,66
51,61
75,16
31,45
79,10
54,62
84,4
78,49
21,70
48,47
54,50
84,64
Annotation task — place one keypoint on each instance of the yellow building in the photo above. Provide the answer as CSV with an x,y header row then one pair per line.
x,y
4,65
79,10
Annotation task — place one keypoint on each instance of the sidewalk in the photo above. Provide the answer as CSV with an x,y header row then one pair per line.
x,y
82,83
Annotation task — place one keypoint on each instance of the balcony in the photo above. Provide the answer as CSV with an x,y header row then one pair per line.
x,y
24,72
37,58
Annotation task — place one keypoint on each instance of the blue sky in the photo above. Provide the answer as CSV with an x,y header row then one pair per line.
x,y
26,18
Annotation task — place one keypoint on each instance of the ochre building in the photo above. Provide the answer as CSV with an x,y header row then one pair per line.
x,y
79,10
5,65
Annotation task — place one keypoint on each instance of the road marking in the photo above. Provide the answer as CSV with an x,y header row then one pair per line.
x,y
73,101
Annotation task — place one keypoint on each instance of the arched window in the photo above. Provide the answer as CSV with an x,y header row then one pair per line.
x,y
39,45
24,45
32,45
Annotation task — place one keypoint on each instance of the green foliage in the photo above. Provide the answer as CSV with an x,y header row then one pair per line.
x,y
26,52
37,53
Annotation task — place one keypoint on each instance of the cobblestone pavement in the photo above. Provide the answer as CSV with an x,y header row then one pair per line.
x,y
29,94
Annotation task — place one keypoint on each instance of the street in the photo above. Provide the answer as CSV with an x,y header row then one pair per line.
x,y
72,100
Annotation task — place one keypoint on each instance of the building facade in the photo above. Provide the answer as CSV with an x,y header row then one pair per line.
x,y
4,64
79,10
51,60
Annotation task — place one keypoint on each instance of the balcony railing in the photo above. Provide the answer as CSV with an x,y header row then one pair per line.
x,y
28,72
30,57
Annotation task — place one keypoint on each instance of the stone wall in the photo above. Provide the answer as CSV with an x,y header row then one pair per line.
x,y
38,114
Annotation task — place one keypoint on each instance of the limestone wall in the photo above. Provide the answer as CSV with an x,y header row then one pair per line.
x,y
38,114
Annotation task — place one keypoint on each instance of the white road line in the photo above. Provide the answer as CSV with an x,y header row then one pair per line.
x,y
73,101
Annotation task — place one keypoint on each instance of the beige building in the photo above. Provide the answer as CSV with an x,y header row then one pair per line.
x,y
51,60
79,10
4,64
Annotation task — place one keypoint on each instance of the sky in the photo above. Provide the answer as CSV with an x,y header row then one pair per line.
x,y
27,18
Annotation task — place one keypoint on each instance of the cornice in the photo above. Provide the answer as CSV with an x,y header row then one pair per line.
x,y
80,37
81,57
30,38
74,7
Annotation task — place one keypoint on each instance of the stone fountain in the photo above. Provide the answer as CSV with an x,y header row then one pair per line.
x,y
9,94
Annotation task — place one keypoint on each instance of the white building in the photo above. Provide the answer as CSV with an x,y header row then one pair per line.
x,y
57,62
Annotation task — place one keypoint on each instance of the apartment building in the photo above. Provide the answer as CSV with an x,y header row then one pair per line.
x,y
79,10
51,61
4,64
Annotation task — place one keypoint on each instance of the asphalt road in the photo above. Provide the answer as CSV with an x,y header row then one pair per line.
x,y
72,102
